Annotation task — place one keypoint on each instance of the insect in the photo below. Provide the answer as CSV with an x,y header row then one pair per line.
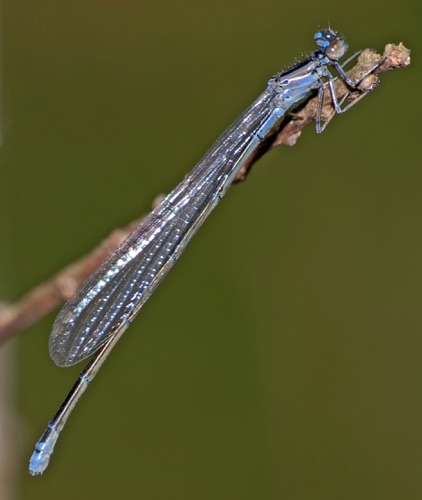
x,y
102,309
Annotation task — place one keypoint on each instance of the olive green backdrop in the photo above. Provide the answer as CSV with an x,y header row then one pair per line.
x,y
281,357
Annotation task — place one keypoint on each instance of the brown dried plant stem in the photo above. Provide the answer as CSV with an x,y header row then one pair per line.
x,y
45,297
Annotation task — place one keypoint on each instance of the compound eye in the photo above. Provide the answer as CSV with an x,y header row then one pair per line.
x,y
333,45
336,49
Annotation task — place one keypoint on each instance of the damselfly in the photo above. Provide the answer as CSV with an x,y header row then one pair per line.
x,y
101,310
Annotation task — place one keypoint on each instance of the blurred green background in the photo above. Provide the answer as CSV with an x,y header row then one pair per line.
x,y
280,359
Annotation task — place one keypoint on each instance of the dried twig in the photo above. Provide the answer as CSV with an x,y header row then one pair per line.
x,y
45,297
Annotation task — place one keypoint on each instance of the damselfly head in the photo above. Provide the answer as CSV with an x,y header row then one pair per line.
x,y
331,43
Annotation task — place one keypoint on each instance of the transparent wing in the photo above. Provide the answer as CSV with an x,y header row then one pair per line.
x,y
115,292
